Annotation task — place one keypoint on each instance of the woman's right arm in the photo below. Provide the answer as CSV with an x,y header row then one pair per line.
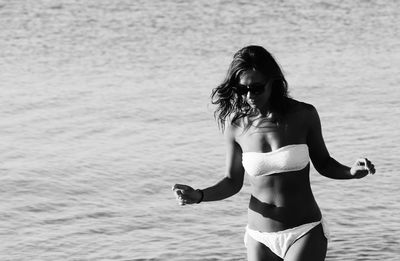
x,y
233,179
227,186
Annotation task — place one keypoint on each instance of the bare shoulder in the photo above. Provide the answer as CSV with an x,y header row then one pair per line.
x,y
232,127
304,109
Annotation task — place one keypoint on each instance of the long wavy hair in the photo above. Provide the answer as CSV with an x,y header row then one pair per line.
x,y
233,106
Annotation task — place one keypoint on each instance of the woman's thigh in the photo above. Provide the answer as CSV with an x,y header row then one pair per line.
x,y
259,252
311,247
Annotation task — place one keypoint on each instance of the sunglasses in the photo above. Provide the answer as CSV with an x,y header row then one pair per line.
x,y
255,88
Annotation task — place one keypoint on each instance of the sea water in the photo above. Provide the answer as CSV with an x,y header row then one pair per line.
x,y
105,105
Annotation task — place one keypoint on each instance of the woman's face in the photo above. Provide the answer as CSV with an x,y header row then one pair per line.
x,y
255,89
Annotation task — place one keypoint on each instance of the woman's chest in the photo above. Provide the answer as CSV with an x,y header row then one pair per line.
x,y
269,136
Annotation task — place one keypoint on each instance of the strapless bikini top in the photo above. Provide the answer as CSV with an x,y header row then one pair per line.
x,y
287,158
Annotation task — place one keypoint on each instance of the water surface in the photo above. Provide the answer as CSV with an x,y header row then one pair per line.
x,y
105,105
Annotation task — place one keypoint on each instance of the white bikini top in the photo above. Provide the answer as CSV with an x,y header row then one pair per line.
x,y
287,158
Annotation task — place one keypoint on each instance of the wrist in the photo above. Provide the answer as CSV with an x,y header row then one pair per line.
x,y
354,173
201,195
350,173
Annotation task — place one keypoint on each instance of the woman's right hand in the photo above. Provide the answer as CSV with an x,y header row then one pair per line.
x,y
186,194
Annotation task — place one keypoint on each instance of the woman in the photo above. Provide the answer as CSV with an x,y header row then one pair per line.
x,y
272,138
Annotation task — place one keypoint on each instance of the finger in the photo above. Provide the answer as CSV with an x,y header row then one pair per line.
x,y
373,171
182,197
178,194
361,168
180,200
180,186
175,187
183,202
361,173
371,165
186,192
360,162
368,165
371,168
365,161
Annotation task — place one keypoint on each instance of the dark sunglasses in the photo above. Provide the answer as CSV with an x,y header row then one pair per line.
x,y
255,88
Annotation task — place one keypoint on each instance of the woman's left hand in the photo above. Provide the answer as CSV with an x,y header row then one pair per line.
x,y
361,168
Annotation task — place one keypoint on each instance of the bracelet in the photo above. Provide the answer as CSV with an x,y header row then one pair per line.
x,y
202,196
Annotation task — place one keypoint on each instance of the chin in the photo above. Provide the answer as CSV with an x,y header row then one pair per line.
x,y
254,105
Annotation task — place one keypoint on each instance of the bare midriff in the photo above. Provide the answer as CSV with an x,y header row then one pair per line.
x,y
281,201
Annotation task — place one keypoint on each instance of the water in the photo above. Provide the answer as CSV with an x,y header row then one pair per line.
x,y
105,105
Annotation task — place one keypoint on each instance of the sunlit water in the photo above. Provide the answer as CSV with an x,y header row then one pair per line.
x,y
104,105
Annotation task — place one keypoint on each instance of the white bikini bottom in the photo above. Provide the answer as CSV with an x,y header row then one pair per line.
x,y
279,242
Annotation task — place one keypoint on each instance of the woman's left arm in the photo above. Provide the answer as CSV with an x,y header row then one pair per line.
x,y
323,162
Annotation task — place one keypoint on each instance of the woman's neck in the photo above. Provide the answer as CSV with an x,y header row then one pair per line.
x,y
263,112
